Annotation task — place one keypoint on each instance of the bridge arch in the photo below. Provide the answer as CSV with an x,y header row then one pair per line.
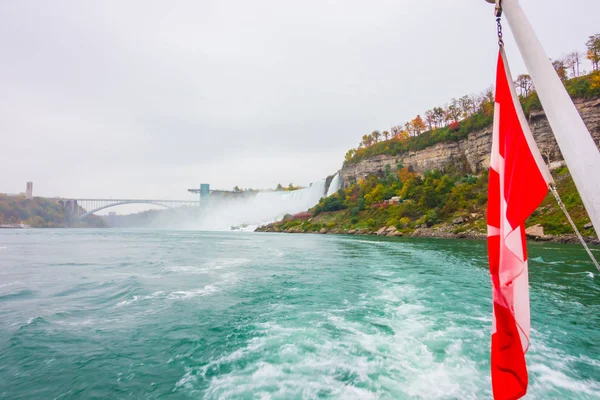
x,y
123,202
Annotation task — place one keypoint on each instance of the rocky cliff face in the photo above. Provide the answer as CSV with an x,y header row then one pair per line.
x,y
472,153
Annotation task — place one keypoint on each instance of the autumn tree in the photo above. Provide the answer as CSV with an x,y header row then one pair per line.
x,y
403,135
595,84
396,130
386,134
561,69
524,85
593,50
487,101
418,125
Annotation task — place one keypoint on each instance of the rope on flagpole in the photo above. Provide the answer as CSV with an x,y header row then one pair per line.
x,y
581,239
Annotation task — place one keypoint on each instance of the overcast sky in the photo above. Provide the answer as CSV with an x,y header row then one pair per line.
x,y
144,99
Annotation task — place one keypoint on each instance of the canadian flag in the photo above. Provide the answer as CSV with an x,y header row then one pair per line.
x,y
518,182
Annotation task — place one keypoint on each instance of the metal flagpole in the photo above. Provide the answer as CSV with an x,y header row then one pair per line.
x,y
574,140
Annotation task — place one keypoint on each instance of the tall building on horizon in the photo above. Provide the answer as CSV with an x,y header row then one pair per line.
x,y
29,191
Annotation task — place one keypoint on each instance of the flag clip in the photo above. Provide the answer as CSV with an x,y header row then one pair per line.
x,y
498,9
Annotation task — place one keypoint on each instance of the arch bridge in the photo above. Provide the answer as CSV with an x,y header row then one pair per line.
x,y
82,208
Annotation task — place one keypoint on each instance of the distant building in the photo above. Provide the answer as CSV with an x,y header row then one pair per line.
x,y
29,191
112,214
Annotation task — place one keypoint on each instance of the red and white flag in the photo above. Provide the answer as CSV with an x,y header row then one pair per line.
x,y
518,183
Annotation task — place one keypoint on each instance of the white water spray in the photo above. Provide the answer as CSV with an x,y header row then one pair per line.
x,y
334,186
247,213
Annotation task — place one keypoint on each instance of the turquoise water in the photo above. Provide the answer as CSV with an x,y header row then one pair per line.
x,y
148,314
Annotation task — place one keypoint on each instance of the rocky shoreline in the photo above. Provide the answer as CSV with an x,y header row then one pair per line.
x,y
440,232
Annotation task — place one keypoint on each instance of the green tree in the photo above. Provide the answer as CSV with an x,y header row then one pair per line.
x,y
279,187
350,154
429,197
376,135
367,140
438,115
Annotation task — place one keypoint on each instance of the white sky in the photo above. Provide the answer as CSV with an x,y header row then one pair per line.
x,y
145,99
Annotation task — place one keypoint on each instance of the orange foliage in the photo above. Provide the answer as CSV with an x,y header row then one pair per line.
x,y
404,174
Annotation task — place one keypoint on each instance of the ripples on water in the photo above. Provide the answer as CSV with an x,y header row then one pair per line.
x,y
110,313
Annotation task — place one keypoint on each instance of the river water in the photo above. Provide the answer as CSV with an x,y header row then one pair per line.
x,y
182,314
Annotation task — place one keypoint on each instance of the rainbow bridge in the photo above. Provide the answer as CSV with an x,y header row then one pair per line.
x,y
82,208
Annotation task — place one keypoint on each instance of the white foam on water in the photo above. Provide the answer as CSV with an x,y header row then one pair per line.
x,y
187,294
542,261
85,322
358,362
135,299
548,379
207,267
187,379
175,295
406,349
549,370
248,228
11,284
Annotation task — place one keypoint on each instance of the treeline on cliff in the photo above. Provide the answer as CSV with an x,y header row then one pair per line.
x,y
448,200
471,113
38,213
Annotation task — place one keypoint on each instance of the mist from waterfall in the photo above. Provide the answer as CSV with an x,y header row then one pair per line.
x,y
247,213
244,211
335,185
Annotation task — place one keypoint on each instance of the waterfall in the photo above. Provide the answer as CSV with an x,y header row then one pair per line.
x,y
263,208
334,186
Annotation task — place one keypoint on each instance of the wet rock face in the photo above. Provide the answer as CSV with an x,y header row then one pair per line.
x,y
472,152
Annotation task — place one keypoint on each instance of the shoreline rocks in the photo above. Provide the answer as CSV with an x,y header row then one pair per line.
x,y
534,233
